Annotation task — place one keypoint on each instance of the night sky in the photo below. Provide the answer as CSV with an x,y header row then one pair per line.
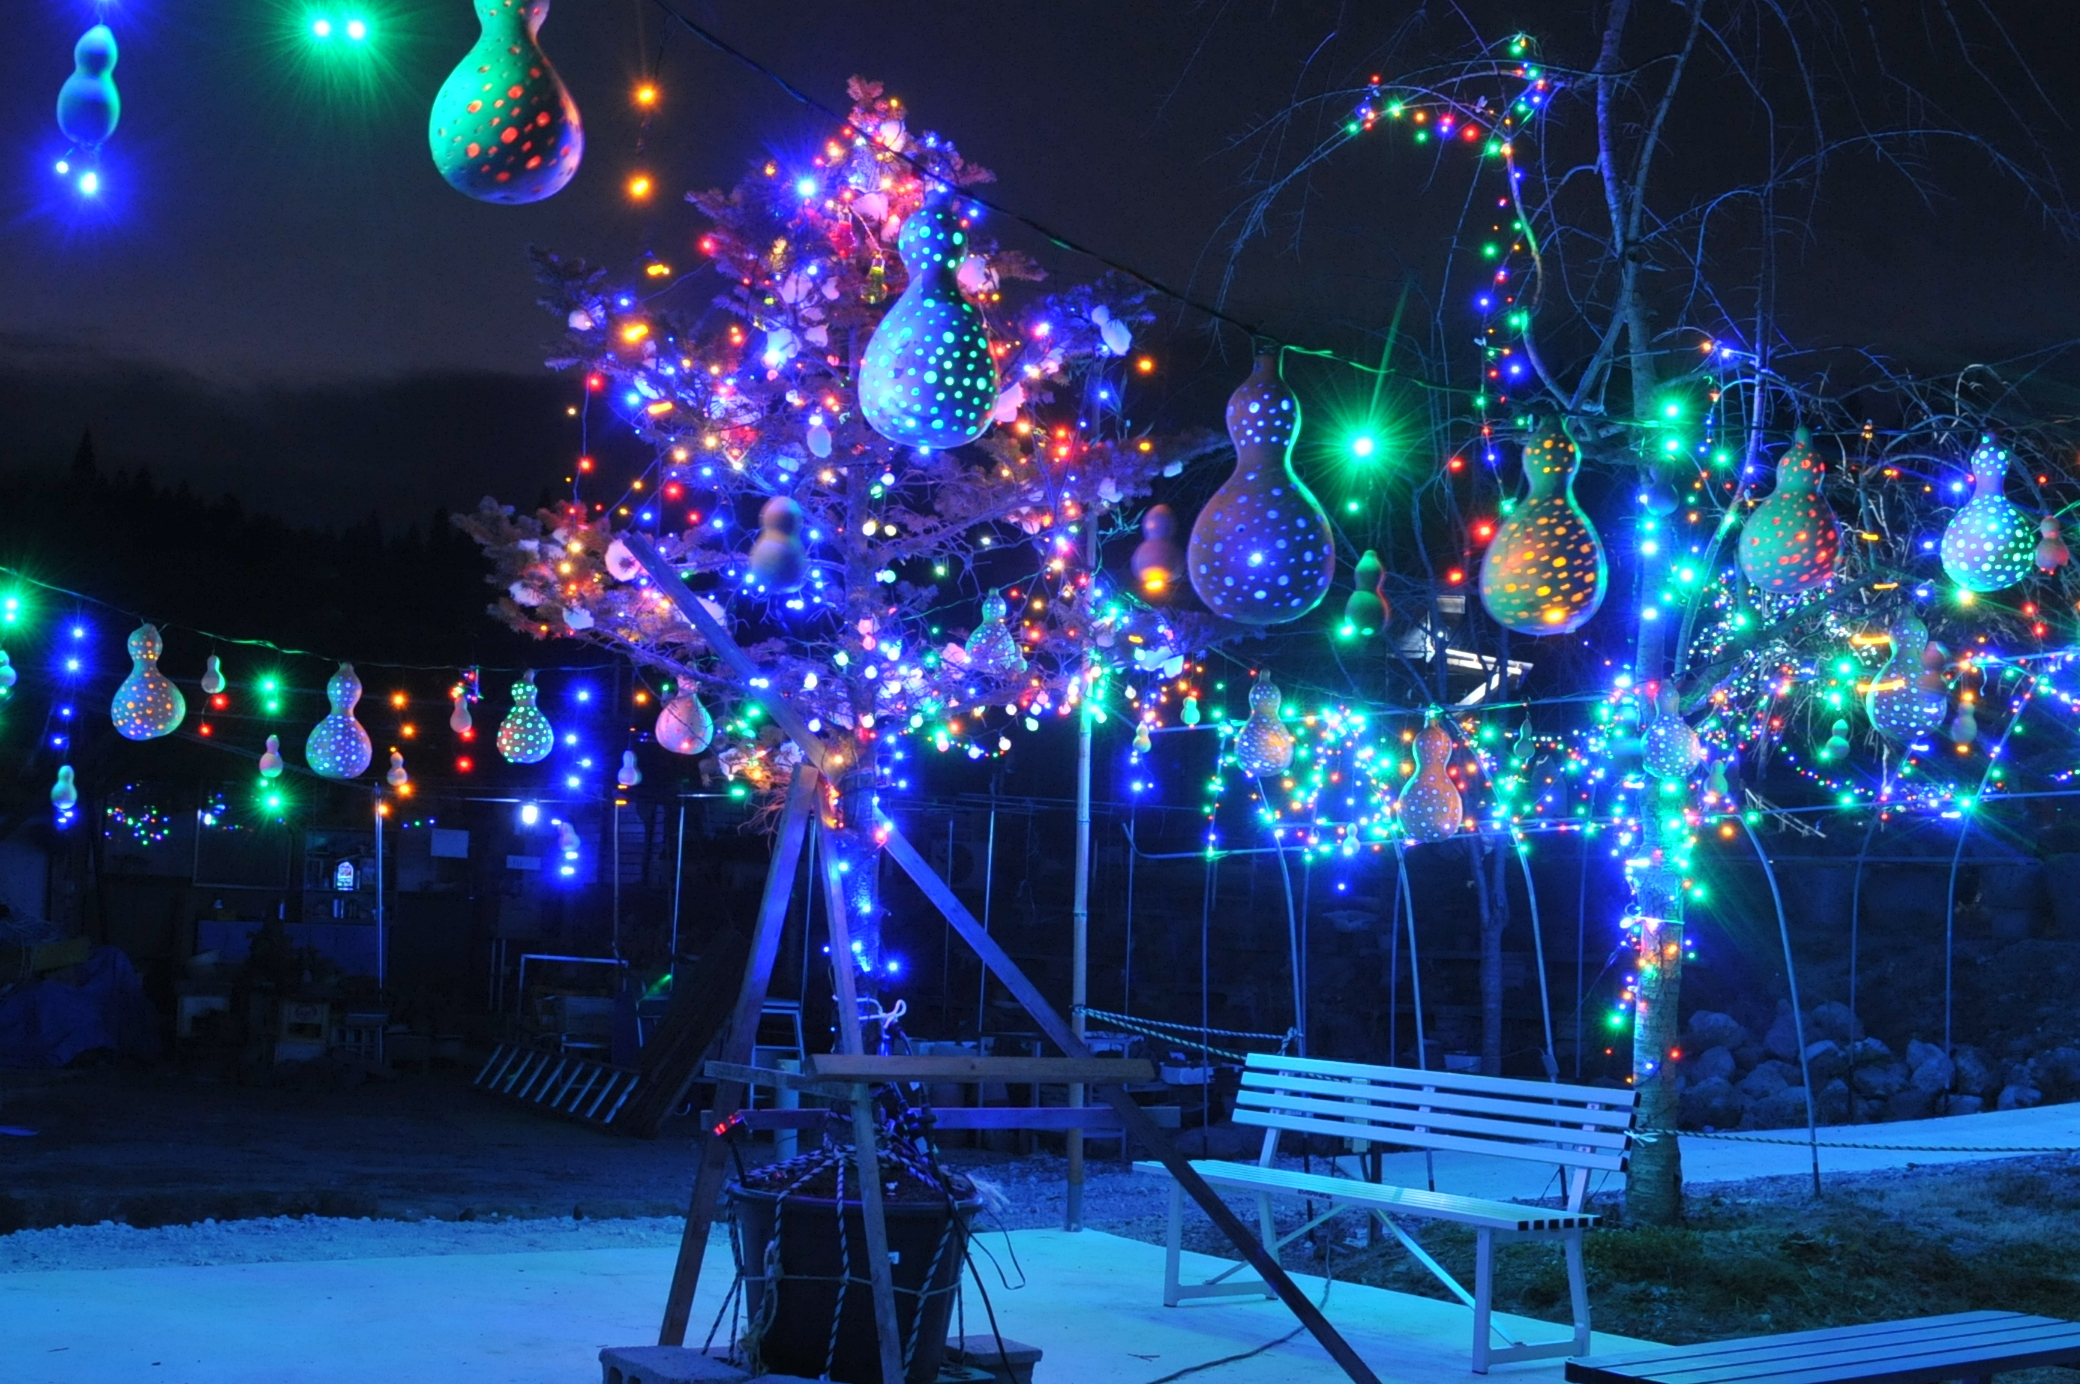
x,y
282,298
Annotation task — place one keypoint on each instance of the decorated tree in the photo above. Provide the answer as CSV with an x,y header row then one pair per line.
x,y
882,453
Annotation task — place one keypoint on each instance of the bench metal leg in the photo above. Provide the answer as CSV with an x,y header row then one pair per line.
x,y
1176,1291
1483,1296
1578,1291
1485,1353
1173,1247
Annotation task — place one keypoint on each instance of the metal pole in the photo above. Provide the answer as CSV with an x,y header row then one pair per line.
x,y
678,882
614,825
382,969
989,885
1080,913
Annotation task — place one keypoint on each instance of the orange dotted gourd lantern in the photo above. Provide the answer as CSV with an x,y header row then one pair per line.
x,y
1430,805
1545,571
1791,540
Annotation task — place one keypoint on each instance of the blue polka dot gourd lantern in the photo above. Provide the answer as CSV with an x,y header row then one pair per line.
x,y
1991,543
525,736
1673,749
338,748
1260,551
1791,540
1430,805
147,706
1907,698
1263,746
928,379
1545,573
504,127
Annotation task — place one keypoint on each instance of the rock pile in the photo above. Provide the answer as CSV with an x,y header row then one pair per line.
x,y
1730,1079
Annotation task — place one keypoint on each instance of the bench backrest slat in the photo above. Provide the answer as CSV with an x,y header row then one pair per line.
x,y
1549,1122
1616,1117
1385,1124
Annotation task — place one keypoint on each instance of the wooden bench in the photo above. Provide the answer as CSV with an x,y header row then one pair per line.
x,y
1580,1129
1964,1345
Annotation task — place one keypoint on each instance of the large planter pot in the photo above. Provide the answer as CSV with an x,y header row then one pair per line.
x,y
927,1243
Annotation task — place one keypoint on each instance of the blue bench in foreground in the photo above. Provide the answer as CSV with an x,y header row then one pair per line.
x,y
1963,1345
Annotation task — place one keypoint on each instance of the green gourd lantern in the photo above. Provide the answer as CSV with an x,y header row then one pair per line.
x,y
1991,543
927,378
338,747
1545,572
1907,699
525,736
1791,540
1366,611
992,648
504,127
89,104
1260,551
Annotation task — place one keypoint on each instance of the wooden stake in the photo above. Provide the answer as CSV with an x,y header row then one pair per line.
x,y
736,1047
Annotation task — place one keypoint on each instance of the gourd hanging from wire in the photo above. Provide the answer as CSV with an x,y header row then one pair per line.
x,y
927,378
338,747
1544,573
504,127
1791,540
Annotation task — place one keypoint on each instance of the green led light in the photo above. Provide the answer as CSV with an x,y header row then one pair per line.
x,y
1363,446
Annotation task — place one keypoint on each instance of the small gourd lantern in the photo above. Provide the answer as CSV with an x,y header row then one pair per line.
x,y
1263,745
1367,609
927,378
1904,700
1991,543
992,649
1431,809
89,104
1672,749
147,705
504,127
338,747
1260,551
1545,572
778,559
1791,540
525,736
1158,559
397,777
271,758
684,726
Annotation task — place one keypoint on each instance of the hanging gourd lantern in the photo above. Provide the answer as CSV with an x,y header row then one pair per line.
x,y
927,378
1263,745
1837,746
1260,551
1544,573
1902,703
1157,558
337,746
146,706
1990,544
992,649
1672,749
88,103
525,736
504,127
1430,806
1367,610
684,726
1791,540
2051,549
778,559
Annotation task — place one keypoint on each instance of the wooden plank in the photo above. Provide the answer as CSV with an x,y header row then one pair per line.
x,y
1044,1118
1136,1120
1916,1351
1391,1118
957,1069
1469,1082
736,1045
887,1333
1531,1153
1255,1086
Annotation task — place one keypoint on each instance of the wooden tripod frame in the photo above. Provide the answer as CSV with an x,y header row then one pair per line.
x,y
737,1039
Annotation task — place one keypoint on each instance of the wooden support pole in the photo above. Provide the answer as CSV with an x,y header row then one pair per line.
x,y
844,975
736,1047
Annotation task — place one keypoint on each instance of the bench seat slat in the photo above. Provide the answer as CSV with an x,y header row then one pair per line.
x,y
1537,1153
1397,1093
1475,1211
1447,1081
1918,1351
1392,1119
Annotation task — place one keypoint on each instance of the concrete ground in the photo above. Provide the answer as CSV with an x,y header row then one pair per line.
x,y
1092,1302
